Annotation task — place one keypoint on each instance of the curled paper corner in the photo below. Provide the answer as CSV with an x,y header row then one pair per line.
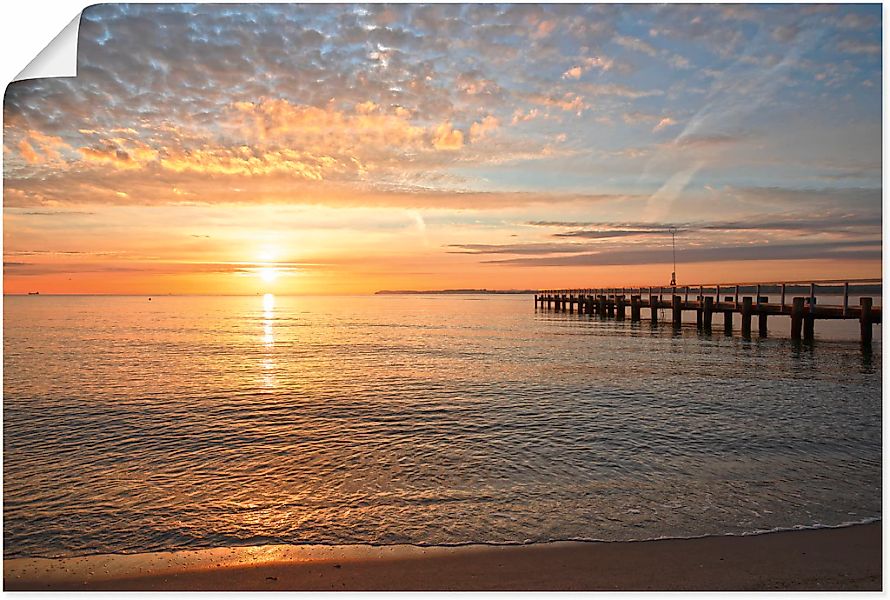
x,y
58,59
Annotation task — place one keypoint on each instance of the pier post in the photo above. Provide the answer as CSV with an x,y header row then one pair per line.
x,y
865,320
549,302
796,317
653,309
746,316
536,302
571,303
601,308
619,306
698,314
677,311
809,322
761,324
708,313
727,321
564,299
634,308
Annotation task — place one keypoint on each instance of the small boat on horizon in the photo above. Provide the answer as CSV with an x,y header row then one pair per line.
x,y
33,293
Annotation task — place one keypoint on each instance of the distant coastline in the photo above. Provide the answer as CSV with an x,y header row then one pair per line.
x,y
457,291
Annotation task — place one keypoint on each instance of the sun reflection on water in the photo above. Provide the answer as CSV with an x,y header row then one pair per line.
x,y
268,305
268,362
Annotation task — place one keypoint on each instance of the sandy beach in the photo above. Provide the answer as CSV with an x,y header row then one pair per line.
x,y
846,558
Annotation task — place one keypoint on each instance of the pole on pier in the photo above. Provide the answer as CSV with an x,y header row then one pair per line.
x,y
846,299
761,324
796,317
708,313
865,320
698,315
653,308
601,308
564,302
746,317
610,306
536,302
619,305
677,309
727,321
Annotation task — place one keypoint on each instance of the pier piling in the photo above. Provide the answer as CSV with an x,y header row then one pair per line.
x,y
677,311
746,317
796,317
865,320
708,313
653,309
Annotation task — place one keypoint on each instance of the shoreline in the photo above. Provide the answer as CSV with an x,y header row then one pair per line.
x,y
837,558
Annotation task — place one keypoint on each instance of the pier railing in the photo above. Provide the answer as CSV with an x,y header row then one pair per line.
x,y
797,299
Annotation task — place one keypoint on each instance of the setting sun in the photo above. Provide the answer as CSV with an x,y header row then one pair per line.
x,y
268,274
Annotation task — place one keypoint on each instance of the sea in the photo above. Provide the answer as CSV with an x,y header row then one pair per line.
x,y
135,424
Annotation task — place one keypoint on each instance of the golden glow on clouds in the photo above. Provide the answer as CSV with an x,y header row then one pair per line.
x,y
431,146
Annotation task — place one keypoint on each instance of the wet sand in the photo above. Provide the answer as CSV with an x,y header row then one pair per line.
x,y
847,558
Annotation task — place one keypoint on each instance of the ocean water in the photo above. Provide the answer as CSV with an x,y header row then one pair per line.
x,y
183,422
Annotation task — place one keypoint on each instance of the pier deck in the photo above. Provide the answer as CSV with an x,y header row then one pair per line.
x,y
767,299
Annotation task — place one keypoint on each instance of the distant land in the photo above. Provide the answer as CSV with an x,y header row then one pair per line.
x,y
461,291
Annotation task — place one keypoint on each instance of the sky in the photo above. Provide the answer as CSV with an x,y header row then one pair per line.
x,y
327,149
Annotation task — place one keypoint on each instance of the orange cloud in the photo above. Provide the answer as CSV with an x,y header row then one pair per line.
x,y
663,124
120,154
483,128
28,153
598,62
278,121
49,145
251,161
446,138
568,102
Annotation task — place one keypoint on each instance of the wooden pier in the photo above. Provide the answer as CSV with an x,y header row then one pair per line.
x,y
783,299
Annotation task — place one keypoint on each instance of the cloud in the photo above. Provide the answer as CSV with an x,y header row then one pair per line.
x,y
593,62
119,154
50,147
663,124
573,73
446,138
568,101
636,44
617,89
853,250
486,126
859,47
28,153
